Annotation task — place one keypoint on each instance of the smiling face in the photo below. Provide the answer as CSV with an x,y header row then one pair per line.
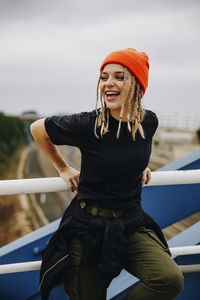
x,y
111,86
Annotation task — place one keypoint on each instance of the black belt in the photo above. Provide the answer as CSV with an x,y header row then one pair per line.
x,y
96,210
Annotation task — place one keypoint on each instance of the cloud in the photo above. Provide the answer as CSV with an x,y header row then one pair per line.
x,y
51,50
88,11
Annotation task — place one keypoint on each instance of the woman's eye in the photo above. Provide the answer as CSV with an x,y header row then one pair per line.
x,y
104,78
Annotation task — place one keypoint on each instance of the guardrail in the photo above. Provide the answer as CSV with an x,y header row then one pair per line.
x,y
57,184
35,265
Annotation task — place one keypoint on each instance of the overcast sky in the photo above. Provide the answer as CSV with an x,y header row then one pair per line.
x,y
51,51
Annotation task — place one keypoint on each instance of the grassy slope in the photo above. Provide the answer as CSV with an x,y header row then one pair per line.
x,y
13,223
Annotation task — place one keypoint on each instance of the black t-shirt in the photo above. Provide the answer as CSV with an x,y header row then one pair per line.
x,y
111,168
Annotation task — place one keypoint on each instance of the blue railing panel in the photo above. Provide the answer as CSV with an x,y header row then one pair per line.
x,y
24,284
19,286
170,204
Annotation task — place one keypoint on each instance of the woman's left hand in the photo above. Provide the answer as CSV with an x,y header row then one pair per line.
x,y
146,177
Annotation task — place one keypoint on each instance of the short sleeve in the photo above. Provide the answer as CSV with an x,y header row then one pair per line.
x,y
150,123
69,129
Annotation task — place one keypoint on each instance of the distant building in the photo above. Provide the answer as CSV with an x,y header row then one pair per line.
x,y
179,121
29,115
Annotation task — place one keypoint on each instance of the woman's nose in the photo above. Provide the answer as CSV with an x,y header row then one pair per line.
x,y
109,81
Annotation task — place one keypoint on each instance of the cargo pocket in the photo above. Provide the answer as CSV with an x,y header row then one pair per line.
x,y
71,275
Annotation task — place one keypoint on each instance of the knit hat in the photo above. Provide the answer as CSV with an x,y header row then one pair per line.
x,y
137,62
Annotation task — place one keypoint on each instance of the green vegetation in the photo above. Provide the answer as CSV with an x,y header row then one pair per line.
x,y
198,134
12,135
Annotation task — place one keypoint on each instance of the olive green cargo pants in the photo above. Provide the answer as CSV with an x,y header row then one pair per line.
x,y
147,259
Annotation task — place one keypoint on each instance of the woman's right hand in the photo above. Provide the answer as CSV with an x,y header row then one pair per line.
x,y
71,177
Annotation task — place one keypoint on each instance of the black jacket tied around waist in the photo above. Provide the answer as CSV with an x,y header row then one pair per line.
x,y
104,241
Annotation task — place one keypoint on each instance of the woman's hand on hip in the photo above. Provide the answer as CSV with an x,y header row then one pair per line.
x,y
146,176
71,177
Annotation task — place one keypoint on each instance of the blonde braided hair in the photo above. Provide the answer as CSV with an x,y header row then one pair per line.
x,y
135,112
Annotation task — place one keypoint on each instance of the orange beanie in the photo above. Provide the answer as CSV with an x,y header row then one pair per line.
x,y
136,62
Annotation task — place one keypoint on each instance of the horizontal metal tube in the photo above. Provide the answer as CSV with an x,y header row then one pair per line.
x,y
20,267
57,184
185,250
35,265
190,268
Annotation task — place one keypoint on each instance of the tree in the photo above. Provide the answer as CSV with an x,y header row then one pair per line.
x,y
198,134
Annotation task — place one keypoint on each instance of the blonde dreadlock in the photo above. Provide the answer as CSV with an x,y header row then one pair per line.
x,y
138,112
135,112
123,100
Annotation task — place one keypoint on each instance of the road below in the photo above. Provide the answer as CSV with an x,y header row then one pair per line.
x,y
52,204
15,212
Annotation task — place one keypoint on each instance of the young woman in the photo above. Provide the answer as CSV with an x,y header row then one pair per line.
x,y
105,229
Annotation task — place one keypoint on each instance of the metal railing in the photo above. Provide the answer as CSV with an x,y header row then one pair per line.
x,y
57,184
35,265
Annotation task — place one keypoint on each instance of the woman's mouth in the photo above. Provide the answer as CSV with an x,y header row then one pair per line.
x,y
111,95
